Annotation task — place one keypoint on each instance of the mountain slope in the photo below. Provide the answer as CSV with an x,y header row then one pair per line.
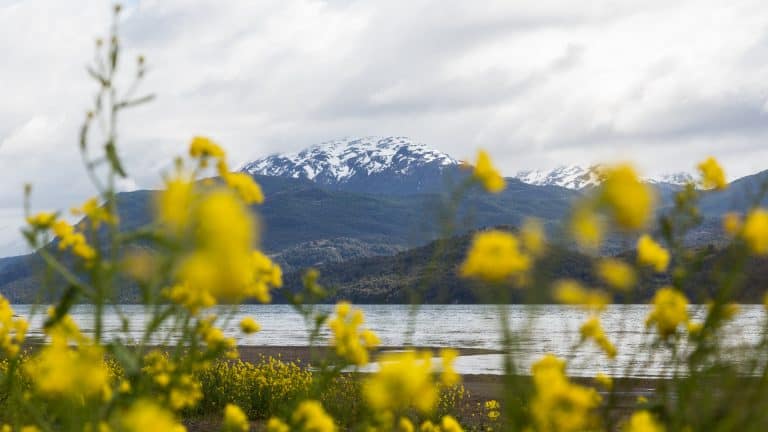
x,y
390,165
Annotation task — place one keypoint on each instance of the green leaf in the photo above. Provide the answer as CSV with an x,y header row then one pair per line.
x,y
113,159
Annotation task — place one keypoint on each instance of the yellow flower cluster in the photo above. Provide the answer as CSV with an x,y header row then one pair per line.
x,y
181,390
403,380
616,273
712,174
533,236
670,309
12,330
42,220
495,256
592,329
652,254
350,342
60,371
558,404
487,174
587,228
571,292
95,213
492,409
73,240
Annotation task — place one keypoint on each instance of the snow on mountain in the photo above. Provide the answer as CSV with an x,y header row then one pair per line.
x,y
576,177
339,161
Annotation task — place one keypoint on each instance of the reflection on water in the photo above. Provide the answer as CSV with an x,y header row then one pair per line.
x,y
540,329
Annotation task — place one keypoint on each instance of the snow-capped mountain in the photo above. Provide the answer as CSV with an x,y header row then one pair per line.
x,y
371,164
577,177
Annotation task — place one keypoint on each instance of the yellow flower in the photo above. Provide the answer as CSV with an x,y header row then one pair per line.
x,y
448,375
628,200
12,330
732,223
276,425
652,254
248,190
495,256
75,241
571,292
558,404
642,421
235,419
59,371
313,418
248,325
670,310
533,237
755,231
616,273
349,341
449,424
145,415
712,174
42,220
587,228
404,425
487,174
604,380
95,213
174,203
403,380
202,147
592,329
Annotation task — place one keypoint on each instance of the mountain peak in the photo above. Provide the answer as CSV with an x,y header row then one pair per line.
x,y
577,177
349,159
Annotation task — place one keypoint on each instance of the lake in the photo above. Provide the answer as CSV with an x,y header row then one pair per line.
x,y
541,329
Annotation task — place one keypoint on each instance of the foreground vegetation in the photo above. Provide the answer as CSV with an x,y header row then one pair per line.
x,y
199,252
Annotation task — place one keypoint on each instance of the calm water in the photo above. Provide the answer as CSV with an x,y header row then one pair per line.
x,y
541,329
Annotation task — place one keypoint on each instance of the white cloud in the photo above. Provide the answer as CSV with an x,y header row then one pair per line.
x,y
538,83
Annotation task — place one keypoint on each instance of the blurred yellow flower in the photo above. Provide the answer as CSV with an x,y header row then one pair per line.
x,y
313,418
616,273
95,213
571,292
670,309
559,405
276,425
732,223
248,190
533,236
75,241
248,325
642,421
235,419
487,174
652,254
494,256
145,415
42,220
403,380
349,341
604,380
712,174
448,376
202,147
592,329
587,228
59,371
12,329
755,231
629,201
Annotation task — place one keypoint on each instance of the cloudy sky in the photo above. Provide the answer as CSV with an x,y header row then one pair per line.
x,y
537,83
